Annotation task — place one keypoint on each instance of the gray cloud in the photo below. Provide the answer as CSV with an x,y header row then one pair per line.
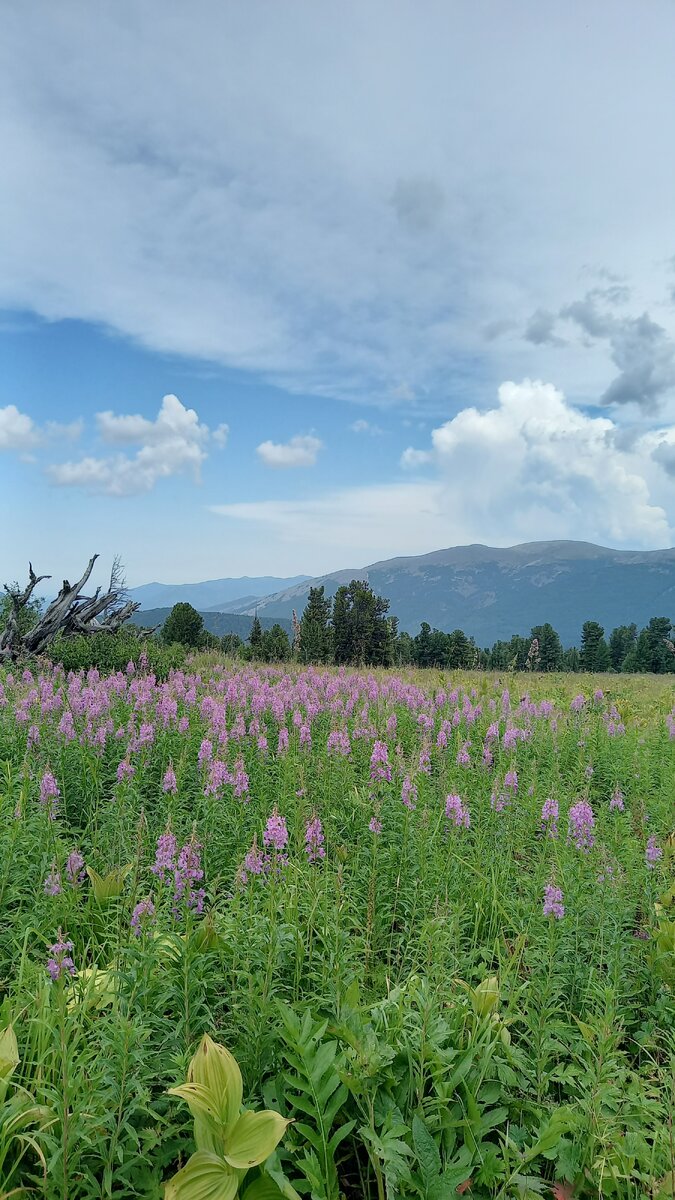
x,y
540,327
643,351
418,204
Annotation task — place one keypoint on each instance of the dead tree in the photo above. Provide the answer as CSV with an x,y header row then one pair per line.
x,y
70,613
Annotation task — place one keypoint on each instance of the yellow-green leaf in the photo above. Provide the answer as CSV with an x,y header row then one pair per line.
x,y
202,1104
205,1176
9,1052
254,1137
216,1069
109,887
94,988
486,996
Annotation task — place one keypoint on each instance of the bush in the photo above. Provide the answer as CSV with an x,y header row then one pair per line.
x,y
112,652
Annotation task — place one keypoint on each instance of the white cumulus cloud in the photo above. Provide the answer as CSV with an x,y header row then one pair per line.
x,y
17,430
173,444
300,451
533,467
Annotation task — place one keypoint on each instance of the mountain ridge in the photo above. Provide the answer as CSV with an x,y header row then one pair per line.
x,y
491,592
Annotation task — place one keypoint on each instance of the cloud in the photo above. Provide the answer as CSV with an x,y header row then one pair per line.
x,y
300,451
362,426
540,327
418,204
411,459
19,432
221,434
200,192
643,351
173,444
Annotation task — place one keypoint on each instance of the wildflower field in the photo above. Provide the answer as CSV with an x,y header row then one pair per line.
x,y
431,918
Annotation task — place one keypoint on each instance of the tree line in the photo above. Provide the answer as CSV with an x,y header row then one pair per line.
x,y
354,628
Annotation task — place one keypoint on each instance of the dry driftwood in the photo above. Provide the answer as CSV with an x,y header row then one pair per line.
x,y
69,613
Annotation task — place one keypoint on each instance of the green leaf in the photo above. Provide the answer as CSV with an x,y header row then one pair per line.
x,y
428,1155
263,1188
216,1069
202,1103
9,1052
486,996
254,1137
109,887
204,1177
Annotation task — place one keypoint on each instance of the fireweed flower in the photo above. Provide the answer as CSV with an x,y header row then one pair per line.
x,y
125,771
616,801
143,916
456,812
409,793
276,833
581,823
549,817
282,741
375,826
205,752
498,802
578,702
75,868
52,885
463,758
511,780
253,864
241,780
49,794
165,856
553,902
338,743
169,782
424,763
314,840
60,961
380,769
188,870
653,853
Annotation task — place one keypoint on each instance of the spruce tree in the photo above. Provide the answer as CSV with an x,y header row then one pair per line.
x,y
315,634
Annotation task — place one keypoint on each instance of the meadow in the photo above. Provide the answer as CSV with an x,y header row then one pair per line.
x,y
431,918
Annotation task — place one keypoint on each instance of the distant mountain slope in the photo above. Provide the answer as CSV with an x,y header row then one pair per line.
x,y
212,592
216,622
492,592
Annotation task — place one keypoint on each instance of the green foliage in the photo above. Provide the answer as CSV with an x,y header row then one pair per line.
x,y
403,1001
28,615
594,649
315,631
361,632
184,626
113,651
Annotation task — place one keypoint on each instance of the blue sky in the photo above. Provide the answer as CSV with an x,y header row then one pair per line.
x,y
293,289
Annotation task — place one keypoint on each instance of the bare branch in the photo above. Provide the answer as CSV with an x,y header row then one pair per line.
x,y
69,613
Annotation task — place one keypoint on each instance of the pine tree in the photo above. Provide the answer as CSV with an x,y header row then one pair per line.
x,y
184,625
361,630
621,641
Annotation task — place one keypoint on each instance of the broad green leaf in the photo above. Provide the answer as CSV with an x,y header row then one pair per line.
x,y
204,1177
202,1103
263,1188
254,1137
109,887
94,989
486,996
216,1069
9,1052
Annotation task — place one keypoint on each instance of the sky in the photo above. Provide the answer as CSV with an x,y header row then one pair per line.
x,y
291,288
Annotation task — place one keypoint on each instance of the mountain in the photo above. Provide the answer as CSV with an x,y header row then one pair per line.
x,y
491,592
216,622
212,593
